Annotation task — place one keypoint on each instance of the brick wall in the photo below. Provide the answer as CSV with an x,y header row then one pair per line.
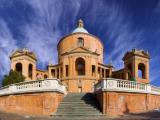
x,y
119,103
39,104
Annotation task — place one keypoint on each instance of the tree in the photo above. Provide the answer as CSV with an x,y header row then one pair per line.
x,y
133,79
13,77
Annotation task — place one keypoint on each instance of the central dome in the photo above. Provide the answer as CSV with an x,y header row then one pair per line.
x,y
80,28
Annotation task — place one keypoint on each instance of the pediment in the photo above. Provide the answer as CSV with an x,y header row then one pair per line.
x,y
20,53
140,53
80,50
17,53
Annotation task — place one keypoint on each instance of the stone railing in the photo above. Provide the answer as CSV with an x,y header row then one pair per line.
x,y
34,86
155,90
112,84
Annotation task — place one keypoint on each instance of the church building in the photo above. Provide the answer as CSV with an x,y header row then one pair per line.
x,y
80,63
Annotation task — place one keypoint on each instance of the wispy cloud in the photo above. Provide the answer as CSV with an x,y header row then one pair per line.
x,y
43,33
49,20
7,44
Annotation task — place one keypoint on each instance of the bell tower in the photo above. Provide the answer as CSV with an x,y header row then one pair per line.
x,y
136,65
24,61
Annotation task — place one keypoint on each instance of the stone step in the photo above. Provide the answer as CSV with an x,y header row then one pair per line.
x,y
68,106
78,114
79,103
84,118
78,106
79,110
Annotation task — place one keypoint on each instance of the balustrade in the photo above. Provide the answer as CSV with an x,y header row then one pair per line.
x,y
34,86
112,84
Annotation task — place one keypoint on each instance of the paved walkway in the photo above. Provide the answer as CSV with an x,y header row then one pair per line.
x,y
153,115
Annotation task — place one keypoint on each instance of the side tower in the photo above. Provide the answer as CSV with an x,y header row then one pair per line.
x,y
24,61
136,65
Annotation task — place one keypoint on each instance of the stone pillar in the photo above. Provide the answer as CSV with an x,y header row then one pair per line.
x,y
34,72
59,72
110,72
25,69
55,72
134,69
70,66
49,73
147,70
64,71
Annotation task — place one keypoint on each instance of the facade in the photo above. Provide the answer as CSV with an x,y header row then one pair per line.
x,y
80,63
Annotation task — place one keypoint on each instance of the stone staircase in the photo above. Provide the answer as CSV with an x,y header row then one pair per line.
x,y
79,106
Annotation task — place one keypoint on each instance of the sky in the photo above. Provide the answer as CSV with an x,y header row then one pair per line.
x,y
120,24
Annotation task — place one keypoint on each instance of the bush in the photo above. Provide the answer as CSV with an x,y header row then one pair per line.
x,y
13,77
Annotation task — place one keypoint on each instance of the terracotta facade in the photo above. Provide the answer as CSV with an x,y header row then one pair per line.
x,y
119,103
41,104
80,63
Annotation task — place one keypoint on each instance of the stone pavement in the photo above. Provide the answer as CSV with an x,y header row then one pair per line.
x,y
152,115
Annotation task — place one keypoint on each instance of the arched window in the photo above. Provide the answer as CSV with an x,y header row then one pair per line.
x,y
141,71
80,41
30,71
19,67
80,66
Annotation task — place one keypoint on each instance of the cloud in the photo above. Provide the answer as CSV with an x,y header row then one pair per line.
x,y
43,32
118,30
49,20
7,44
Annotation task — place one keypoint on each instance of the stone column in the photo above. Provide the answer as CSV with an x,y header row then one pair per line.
x,y
110,72
25,69
49,73
34,72
59,72
70,66
55,72
64,70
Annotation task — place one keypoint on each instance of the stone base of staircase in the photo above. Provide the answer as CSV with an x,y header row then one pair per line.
x,y
79,106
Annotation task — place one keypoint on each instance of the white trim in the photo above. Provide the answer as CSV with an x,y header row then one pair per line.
x,y
120,85
53,85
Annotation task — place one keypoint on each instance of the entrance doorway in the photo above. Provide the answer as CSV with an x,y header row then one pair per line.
x,y
79,89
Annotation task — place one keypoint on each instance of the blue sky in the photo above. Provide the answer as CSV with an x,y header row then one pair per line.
x,y
121,25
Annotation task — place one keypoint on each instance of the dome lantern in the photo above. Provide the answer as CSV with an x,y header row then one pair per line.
x,y
80,28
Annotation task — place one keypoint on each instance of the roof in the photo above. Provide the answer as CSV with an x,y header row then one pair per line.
x,y
21,52
80,28
136,52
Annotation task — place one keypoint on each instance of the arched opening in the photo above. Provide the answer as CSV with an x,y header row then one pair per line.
x,y
30,71
141,71
80,42
45,76
19,67
80,66
37,76
129,68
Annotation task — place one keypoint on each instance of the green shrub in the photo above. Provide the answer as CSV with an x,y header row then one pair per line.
x,y
12,77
